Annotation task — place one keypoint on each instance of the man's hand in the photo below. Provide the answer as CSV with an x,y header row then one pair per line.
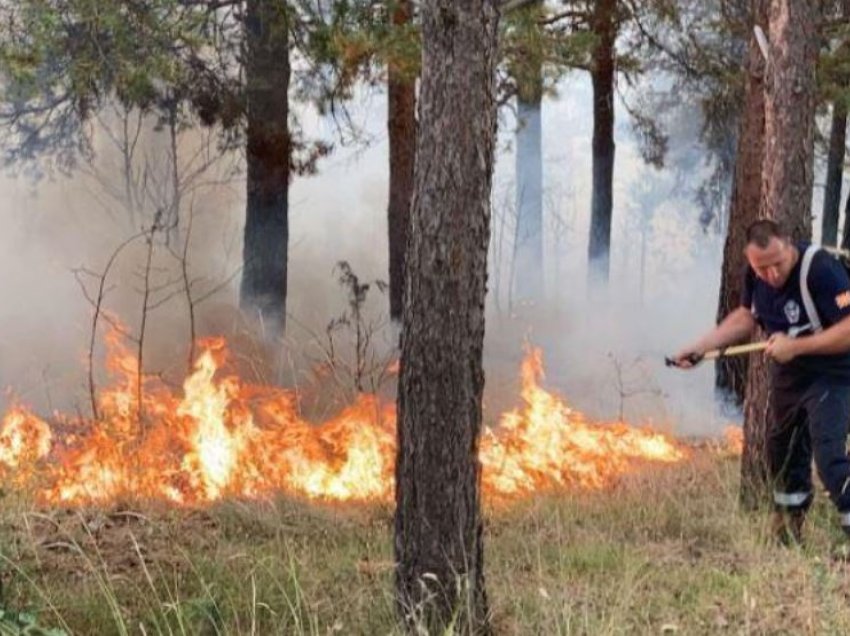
x,y
686,359
738,326
782,348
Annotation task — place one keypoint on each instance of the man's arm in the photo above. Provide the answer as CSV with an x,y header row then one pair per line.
x,y
832,340
737,327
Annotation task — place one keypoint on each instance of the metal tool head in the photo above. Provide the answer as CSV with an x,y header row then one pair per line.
x,y
693,358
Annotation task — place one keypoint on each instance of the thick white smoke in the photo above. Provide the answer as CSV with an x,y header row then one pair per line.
x,y
604,355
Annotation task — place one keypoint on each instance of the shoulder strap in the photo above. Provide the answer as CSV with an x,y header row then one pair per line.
x,y
808,301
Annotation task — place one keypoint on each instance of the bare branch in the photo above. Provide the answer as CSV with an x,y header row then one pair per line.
x,y
98,306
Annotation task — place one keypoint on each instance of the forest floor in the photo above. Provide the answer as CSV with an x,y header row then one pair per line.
x,y
664,551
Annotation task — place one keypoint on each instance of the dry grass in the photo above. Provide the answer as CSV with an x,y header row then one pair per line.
x,y
665,552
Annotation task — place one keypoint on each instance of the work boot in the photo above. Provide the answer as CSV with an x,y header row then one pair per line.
x,y
787,527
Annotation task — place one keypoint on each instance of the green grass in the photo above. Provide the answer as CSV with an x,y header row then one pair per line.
x,y
666,551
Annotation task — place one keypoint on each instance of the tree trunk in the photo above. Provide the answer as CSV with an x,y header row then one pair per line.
x,y
401,124
528,273
834,173
172,236
602,75
755,483
266,246
789,116
786,188
845,239
438,524
731,377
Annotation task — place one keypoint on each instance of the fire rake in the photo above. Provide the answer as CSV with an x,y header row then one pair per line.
x,y
724,352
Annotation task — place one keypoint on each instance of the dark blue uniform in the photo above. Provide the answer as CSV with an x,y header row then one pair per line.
x,y
810,397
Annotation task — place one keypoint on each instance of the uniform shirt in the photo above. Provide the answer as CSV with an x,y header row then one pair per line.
x,y
782,310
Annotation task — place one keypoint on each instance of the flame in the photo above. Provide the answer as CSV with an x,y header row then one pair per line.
x,y
733,437
221,437
547,445
23,437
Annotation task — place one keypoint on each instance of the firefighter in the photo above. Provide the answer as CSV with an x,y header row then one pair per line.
x,y
800,295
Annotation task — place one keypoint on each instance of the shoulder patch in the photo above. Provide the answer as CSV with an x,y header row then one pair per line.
x,y
842,301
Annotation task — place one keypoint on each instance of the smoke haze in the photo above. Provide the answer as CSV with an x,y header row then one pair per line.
x,y
604,354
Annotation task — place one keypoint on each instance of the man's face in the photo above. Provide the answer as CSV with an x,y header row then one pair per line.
x,y
772,264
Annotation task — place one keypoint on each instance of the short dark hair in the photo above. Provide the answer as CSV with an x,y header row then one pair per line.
x,y
760,232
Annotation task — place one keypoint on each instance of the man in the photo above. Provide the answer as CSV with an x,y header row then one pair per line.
x,y
800,295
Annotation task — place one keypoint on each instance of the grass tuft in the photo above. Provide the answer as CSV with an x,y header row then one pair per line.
x,y
665,551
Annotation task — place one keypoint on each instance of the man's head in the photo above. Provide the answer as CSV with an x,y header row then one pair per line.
x,y
770,252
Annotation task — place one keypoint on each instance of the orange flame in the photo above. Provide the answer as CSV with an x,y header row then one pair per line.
x,y
23,437
733,437
547,445
225,438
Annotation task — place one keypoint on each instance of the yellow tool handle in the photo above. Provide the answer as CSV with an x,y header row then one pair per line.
x,y
734,351
713,354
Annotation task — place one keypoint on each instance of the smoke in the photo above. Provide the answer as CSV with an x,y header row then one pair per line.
x,y
60,232
604,348
604,355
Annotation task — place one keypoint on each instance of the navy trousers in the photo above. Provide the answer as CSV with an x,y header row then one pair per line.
x,y
810,421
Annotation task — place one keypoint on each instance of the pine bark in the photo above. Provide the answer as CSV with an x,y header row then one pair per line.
x,y
401,126
835,158
834,173
266,238
438,523
604,26
528,271
731,376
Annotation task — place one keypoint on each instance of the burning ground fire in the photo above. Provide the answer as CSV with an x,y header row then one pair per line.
x,y
221,437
